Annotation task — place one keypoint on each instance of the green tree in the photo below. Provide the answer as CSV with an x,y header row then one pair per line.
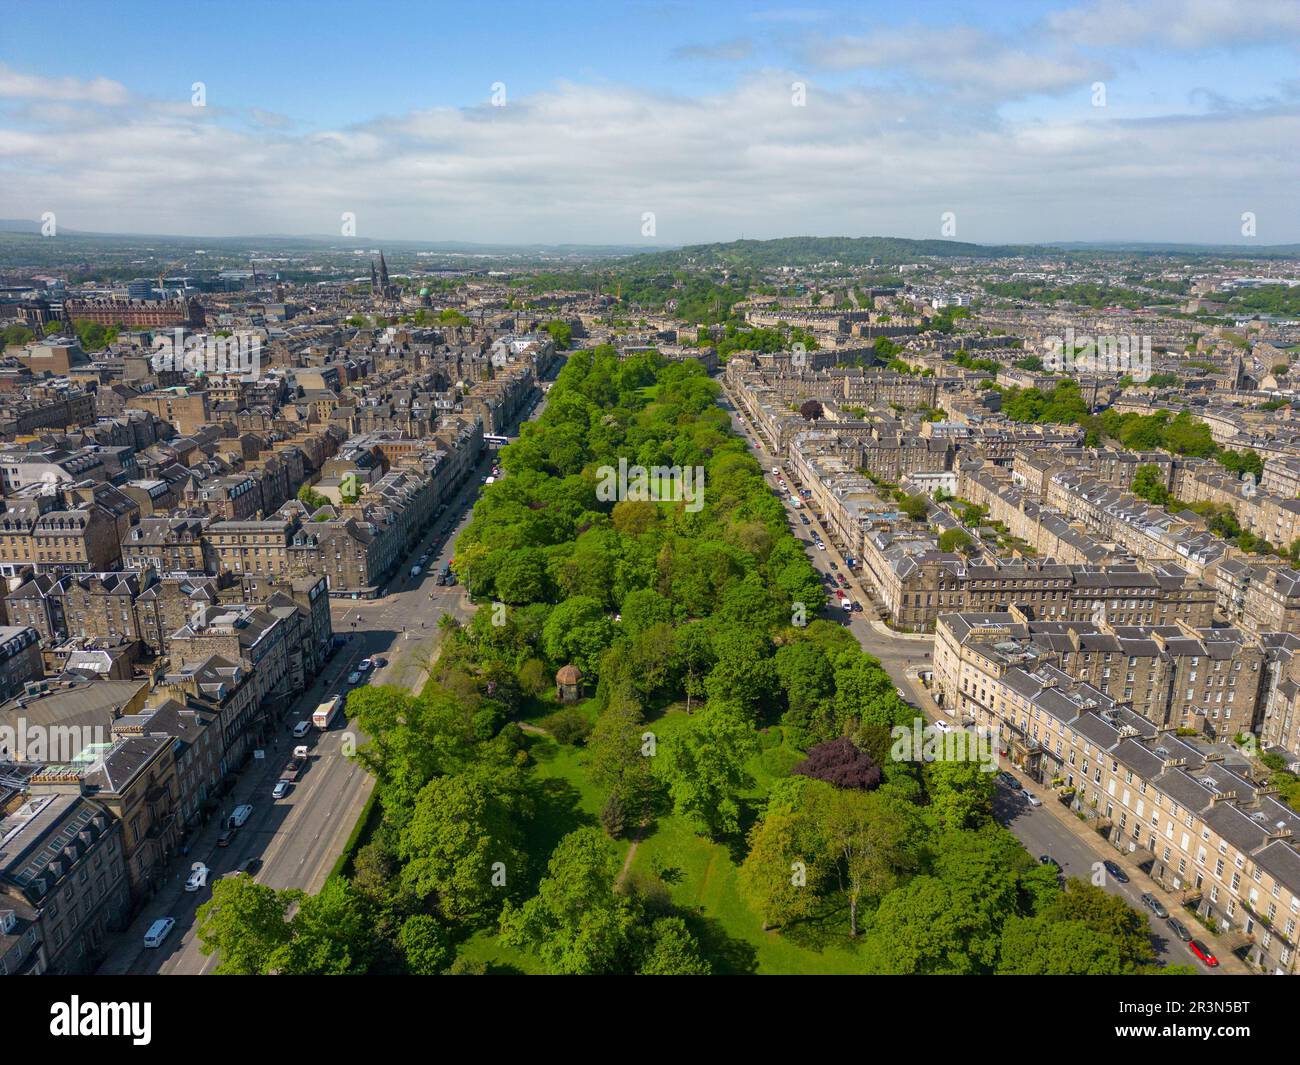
x,y
1149,484
244,925
464,832
576,923
703,765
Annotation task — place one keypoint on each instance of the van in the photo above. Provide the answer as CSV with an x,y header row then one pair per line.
x,y
301,729
240,815
158,931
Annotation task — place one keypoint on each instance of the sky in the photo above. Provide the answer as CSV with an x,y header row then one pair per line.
x,y
657,124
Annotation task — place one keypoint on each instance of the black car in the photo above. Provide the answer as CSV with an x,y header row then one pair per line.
x,y
1047,859
1179,929
1009,781
251,866
1116,871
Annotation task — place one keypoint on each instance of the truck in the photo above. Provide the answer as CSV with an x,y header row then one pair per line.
x,y
293,770
324,715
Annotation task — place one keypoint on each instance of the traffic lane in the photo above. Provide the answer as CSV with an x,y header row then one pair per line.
x,y
1041,833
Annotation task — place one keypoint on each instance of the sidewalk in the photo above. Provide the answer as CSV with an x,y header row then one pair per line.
x,y
1228,962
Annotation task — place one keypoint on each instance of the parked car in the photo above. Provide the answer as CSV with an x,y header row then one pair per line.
x,y
1033,799
240,814
1179,929
251,866
1115,871
380,661
301,728
281,789
158,931
1154,905
1047,859
197,881
224,839
354,678
1009,781
943,726
364,665
1203,952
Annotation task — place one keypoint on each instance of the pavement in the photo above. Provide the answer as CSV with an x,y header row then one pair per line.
x,y
298,839
1050,829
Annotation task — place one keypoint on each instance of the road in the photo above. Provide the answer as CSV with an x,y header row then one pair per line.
x,y
298,838
1044,830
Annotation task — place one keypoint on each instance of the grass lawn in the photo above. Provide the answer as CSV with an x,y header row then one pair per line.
x,y
700,875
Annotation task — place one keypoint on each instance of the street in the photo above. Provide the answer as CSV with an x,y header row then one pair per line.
x,y
1046,830
298,839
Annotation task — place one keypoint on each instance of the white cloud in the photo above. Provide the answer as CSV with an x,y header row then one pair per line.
x,y
13,83
1183,24
582,162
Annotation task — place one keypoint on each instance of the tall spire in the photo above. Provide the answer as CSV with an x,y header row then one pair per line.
x,y
383,273
374,279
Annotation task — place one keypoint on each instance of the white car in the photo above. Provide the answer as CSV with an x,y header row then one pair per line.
x,y
364,665
197,881
280,790
943,726
158,931
1032,799
821,546
354,678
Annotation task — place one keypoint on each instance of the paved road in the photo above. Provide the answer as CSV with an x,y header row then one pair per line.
x,y
298,838
1042,830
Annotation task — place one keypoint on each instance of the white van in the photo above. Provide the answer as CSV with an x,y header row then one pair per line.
x,y
301,729
240,815
158,931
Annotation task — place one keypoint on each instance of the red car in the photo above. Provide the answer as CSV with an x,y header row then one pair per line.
x,y
1203,952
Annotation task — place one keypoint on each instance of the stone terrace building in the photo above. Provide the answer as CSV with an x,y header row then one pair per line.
x,y
1187,810
63,878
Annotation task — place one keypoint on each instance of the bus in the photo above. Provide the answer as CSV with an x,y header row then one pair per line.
x,y
324,714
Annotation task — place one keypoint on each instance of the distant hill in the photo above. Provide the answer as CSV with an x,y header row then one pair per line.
x,y
852,251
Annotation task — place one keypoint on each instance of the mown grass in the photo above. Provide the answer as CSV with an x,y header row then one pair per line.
x,y
699,874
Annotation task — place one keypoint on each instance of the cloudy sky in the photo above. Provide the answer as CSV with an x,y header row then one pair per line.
x,y
1028,121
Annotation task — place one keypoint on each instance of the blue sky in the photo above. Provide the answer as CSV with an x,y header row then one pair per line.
x,y
684,111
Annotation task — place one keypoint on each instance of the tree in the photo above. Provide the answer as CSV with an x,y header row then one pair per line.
x,y
672,951
955,540
840,763
780,875
961,792
1149,484
866,835
464,833
703,766
311,498
423,943
331,934
576,923
811,410
244,925
1108,915
915,507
